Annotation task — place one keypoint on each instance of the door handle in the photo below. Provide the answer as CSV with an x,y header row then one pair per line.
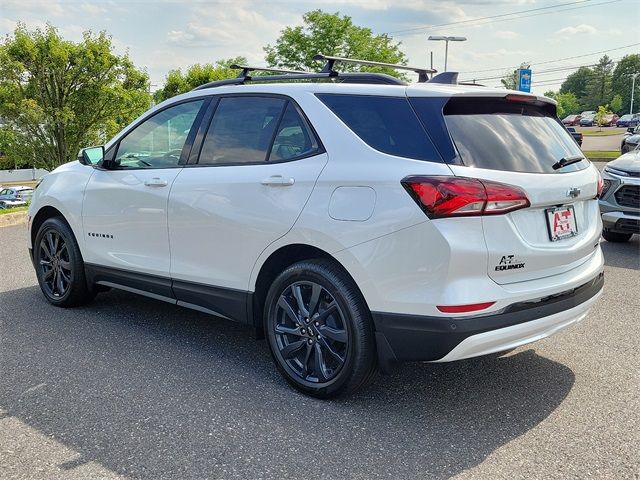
x,y
156,182
278,181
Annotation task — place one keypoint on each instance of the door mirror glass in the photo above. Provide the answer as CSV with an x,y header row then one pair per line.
x,y
630,130
91,155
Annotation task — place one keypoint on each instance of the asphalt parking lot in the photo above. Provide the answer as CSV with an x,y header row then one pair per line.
x,y
128,387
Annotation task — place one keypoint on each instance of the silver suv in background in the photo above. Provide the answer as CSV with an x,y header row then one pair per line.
x,y
620,199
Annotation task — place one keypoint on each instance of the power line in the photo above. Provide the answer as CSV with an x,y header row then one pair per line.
x,y
499,18
538,72
556,60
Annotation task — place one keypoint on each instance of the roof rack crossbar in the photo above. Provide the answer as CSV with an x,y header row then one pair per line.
x,y
351,77
328,67
246,69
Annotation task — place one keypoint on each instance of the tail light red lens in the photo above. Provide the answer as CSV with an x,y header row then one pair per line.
x,y
600,185
441,197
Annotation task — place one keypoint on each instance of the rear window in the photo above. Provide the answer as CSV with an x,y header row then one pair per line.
x,y
497,134
387,124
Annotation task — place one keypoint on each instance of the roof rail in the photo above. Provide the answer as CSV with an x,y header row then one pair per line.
x,y
328,68
351,77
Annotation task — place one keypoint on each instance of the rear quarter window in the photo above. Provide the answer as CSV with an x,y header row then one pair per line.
x,y
387,124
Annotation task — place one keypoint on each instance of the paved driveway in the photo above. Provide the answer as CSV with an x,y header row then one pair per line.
x,y
131,388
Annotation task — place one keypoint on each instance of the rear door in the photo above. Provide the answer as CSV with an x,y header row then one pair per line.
x,y
517,140
258,162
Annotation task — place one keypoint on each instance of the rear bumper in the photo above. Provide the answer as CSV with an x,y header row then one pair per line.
x,y
406,338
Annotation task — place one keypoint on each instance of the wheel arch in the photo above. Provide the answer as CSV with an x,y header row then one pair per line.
x,y
278,261
39,218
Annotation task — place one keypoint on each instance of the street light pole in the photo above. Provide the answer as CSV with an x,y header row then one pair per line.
x,y
633,88
446,39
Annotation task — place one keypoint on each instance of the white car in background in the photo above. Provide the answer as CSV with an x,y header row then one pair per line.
x,y
357,223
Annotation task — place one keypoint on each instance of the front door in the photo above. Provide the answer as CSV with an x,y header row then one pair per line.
x,y
125,206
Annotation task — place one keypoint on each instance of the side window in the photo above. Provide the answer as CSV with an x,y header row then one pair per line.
x,y
294,138
387,124
158,141
4,192
241,130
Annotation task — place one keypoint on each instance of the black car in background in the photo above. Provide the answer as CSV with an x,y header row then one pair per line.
x,y
631,139
629,120
577,136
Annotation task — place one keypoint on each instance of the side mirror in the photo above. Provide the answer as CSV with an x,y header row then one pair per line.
x,y
631,130
91,155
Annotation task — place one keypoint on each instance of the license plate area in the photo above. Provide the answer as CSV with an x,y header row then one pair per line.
x,y
561,223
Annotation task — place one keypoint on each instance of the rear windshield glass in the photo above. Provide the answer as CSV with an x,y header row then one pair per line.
x,y
387,124
503,135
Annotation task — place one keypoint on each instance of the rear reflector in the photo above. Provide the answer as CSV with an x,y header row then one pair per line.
x,y
474,307
441,197
601,186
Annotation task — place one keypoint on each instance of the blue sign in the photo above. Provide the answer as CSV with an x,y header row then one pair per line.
x,y
524,79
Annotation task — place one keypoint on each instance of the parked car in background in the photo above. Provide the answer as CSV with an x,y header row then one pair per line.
x,y
572,120
15,196
609,120
587,120
629,120
577,136
620,198
630,140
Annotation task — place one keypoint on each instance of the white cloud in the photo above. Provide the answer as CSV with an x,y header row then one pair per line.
x,y
38,7
579,29
92,8
505,34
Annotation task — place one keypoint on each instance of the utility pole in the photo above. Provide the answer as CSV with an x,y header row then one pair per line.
x,y
633,87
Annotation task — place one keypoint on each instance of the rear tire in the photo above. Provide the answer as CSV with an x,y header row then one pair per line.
x,y
319,329
616,237
59,265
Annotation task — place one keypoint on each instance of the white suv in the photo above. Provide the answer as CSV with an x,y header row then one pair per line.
x,y
357,223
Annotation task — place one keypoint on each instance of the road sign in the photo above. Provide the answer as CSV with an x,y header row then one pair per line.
x,y
524,79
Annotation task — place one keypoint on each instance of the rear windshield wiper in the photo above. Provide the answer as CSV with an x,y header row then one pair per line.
x,y
563,162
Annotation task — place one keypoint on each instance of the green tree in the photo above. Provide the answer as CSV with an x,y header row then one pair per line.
x,y
177,82
601,114
58,96
576,83
567,103
598,89
616,104
14,153
332,34
622,81
510,80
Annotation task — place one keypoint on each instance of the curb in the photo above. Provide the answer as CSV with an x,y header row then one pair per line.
x,y
10,219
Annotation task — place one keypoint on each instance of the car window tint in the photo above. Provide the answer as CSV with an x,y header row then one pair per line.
x,y
241,130
293,138
387,124
498,134
158,141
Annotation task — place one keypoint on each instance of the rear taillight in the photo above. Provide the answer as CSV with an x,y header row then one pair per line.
x,y
600,185
441,197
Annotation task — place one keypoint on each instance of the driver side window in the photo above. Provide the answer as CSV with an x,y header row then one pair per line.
x,y
158,141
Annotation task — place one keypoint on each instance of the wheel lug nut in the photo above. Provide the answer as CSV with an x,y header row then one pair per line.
x,y
310,342
317,324
303,331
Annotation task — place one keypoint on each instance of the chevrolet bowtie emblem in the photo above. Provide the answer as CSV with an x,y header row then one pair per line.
x,y
573,192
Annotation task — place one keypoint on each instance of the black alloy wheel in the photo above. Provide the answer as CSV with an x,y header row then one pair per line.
x,y
59,265
55,264
319,329
311,332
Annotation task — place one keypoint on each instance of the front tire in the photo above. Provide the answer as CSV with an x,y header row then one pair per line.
x,y
616,237
59,265
319,329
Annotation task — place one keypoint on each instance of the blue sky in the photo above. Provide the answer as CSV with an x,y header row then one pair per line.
x,y
161,35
